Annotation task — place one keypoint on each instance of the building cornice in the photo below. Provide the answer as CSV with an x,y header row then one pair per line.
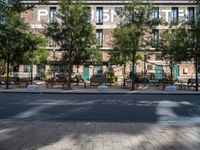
x,y
117,2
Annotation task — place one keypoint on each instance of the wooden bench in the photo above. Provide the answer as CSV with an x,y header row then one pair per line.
x,y
24,82
11,81
52,83
129,84
192,83
15,81
181,85
100,80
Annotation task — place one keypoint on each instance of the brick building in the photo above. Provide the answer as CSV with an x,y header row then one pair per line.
x,y
104,17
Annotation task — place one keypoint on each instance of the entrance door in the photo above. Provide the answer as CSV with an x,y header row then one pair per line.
x,y
159,72
86,72
176,72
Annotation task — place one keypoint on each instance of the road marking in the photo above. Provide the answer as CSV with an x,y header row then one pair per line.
x,y
31,112
166,113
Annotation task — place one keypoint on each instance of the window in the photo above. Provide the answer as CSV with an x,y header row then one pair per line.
x,y
155,38
99,37
149,67
158,56
174,14
1,18
27,68
52,43
118,10
89,14
197,13
59,68
190,14
99,15
155,13
185,71
53,15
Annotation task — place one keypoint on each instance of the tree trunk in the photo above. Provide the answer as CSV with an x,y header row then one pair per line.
x,y
7,72
70,72
69,77
124,74
133,69
144,70
196,76
171,76
31,74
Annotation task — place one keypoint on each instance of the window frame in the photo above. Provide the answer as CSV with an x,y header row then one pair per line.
x,y
99,15
99,34
191,17
174,14
155,38
52,14
155,13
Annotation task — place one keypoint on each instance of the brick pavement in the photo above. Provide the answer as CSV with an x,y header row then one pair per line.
x,y
97,136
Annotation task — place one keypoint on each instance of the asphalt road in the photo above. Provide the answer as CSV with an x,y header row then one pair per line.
x,y
99,107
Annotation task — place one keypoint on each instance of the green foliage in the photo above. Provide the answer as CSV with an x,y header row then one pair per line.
x,y
94,55
191,30
35,54
73,33
128,37
121,53
13,36
18,6
110,75
15,40
171,44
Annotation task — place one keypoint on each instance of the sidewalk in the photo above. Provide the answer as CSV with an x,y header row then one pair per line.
x,y
98,136
94,90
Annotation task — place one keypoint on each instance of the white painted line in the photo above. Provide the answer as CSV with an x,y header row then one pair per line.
x,y
31,112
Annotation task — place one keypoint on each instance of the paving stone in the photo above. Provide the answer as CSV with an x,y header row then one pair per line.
x,y
97,136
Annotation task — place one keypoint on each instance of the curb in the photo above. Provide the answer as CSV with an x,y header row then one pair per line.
x,y
97,93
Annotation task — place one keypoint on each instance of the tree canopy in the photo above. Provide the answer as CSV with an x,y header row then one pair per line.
x,y
15,38
73,33
128,37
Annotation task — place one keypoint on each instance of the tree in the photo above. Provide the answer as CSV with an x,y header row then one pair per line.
x,y
74,33
120,55
192,46
13,37
19,5
191,34
34,54
170,44
129,34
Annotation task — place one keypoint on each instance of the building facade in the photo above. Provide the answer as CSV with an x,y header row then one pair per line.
x,y
104,17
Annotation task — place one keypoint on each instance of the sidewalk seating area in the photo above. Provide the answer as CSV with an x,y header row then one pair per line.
x,y
17,82
20,84
98,80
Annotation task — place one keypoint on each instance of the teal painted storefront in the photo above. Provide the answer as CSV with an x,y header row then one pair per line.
x,y
176,72
131,69
159,72
86,73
